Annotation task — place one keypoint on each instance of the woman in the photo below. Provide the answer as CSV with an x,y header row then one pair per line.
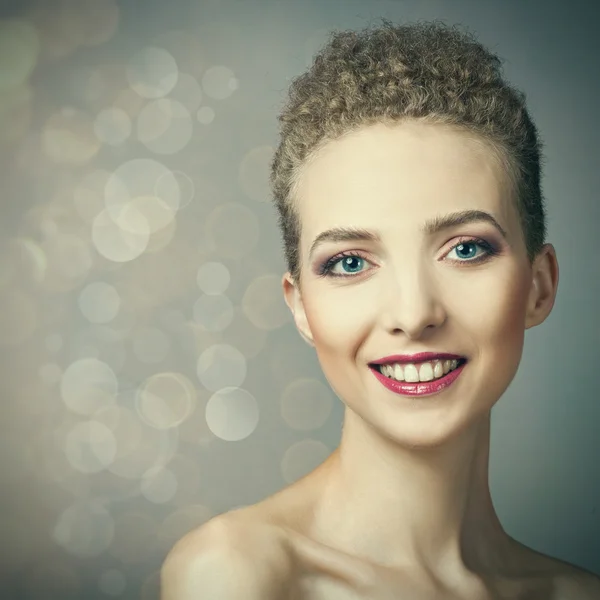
x,y
407,181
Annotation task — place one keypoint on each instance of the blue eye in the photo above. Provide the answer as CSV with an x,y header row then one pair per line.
x,y
466,248
351,262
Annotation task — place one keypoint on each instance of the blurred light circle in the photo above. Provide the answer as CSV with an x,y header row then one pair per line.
x,y
158,485
68,138
102,20
61,29
165,400
185,187
141,177
31,260
263,303
163,235
219,82
130,102
213,278
69,257
187,91
213,312
133,217
112,126
221,366
90,447
187,47
87,384
184,469
85,529
205,115
157,213
115,240
105,343
164,126
99,302
232,414
139,447
242,334
152,72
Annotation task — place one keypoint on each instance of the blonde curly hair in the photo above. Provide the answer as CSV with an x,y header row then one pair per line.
x,y
427,71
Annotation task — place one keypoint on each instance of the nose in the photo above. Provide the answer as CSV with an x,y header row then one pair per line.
x,y
412,303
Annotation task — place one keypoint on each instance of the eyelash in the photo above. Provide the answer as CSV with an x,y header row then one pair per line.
x,y
325,269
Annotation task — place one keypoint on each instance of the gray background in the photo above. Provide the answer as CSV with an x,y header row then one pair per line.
x,y
144,391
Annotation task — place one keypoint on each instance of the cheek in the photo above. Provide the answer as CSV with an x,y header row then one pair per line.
x,y
337,338
496,321
335,325
510,306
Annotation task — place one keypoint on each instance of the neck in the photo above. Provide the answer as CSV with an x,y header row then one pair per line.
x,y
427,508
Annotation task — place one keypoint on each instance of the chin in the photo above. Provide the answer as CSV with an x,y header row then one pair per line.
x,y
425,422
425,436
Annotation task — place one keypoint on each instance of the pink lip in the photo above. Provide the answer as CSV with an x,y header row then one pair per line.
x,y
424,388
413,358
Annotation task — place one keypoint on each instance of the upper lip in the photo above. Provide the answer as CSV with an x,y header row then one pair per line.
x,y
414,358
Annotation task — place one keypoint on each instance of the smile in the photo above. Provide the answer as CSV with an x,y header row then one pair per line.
x,y
418,388
425,371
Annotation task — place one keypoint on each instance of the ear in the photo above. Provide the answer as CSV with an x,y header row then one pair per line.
x,y
293,299
544,285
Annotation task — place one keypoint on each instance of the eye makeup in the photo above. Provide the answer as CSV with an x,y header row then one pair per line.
x,y
325,268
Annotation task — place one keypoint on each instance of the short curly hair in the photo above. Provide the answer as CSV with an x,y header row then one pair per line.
x,y
426,71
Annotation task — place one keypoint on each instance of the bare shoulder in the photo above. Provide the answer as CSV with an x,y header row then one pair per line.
x,y
567,580
227,557
575,583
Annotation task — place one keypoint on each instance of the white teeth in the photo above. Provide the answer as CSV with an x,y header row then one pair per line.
x,y
396,372
411,374
427,371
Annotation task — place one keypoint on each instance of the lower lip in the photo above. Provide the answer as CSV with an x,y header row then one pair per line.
x,y
421,388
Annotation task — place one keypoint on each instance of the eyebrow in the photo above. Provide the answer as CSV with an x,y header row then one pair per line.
x,y
430,227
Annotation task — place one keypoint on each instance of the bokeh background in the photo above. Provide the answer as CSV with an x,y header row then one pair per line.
x,y
151,374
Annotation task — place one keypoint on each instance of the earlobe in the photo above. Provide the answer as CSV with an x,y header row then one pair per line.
x,y
306,339
293,299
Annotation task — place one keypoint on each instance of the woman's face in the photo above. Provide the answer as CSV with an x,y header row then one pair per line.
x,y
411,290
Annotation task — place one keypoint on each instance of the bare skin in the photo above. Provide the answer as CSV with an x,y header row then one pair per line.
x,y
402,508
277,531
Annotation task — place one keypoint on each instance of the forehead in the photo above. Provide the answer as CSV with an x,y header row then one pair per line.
x,y
398,176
